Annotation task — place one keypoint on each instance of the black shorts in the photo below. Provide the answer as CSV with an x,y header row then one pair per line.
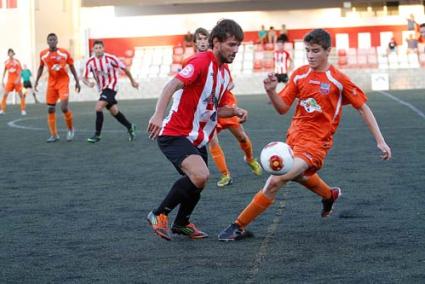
x,y
177,148
27,85
108,96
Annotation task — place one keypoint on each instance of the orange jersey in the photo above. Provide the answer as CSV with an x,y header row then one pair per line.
x,y
56,62
14,68
321,96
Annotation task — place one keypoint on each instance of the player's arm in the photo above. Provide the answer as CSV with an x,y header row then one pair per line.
x,y
87,82
155,122
228,111
368,117
39,73
4,75
133,82
270,84
77,81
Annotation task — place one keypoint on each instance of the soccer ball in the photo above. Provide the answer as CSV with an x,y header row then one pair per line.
x,y
277,158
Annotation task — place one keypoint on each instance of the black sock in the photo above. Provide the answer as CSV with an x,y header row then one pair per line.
x,y
187,206
178,193
99,122
121,118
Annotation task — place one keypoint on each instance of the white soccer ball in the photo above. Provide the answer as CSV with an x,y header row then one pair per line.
x,y
277,158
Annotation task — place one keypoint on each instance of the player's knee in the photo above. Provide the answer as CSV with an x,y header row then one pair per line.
x,y
200,178
51,109
274,183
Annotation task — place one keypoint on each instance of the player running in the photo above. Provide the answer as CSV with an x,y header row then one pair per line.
x,y
320,91
105,68
13,68
56,59
232,123
199,97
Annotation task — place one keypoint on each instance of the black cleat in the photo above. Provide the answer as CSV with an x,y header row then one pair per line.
x,y
234,233
94,139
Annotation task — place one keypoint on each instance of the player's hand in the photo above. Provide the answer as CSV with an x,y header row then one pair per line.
x,y
135,84
385,150
270,83
154,126
77,87
242,114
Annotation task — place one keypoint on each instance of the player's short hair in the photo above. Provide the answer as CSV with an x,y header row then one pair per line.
x,y
200,31
10,50
281,38
51,34
320,37
98,41
224,29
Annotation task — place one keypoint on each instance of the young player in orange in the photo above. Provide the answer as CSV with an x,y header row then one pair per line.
x,y
13,67
320,91
233,124
56,59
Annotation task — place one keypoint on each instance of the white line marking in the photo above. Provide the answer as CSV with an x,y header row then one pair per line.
x,y
15,124
263,251
412,107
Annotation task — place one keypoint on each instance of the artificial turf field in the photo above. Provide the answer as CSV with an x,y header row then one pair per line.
x,y
74,212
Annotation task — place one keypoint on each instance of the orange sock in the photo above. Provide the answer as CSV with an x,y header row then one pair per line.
x,y
23,104
3,103
219,160
246,146
318,186
258,205
51,119
68,119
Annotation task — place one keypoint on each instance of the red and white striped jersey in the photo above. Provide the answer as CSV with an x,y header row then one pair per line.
x,y
281,61
194,111
105,70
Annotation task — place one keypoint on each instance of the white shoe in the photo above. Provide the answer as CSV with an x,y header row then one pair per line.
x,y
2,112
23,112
70,134
53,139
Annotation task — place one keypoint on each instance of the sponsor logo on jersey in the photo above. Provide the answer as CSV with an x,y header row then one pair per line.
x,y
187,71
310,105
325,88
56,67
314,82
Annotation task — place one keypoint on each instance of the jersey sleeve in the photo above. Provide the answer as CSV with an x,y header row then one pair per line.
x,y
192,71
87,70
351,93
290,91
116,63
69,59
228,99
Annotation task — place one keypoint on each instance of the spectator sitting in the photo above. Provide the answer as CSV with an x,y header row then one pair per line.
x,y
411,23
283,35
262,35
272,35
188,39
392,46
412,44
